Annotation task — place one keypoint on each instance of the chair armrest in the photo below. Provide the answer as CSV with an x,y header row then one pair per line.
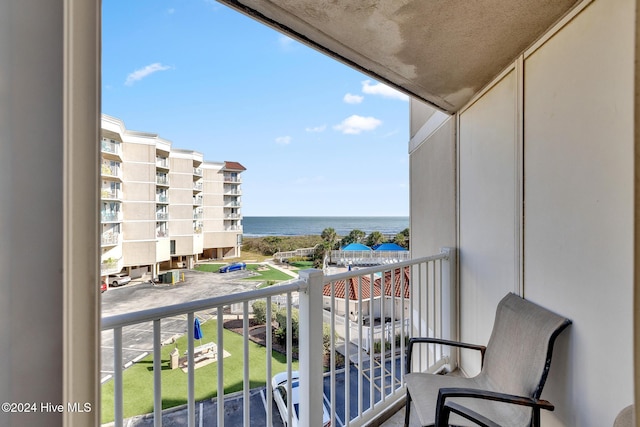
x,y
536,404
464,412
427,340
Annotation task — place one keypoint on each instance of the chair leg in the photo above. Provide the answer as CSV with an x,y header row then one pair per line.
x,y
407,410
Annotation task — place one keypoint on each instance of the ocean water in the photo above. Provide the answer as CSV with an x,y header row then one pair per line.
x,y
256,226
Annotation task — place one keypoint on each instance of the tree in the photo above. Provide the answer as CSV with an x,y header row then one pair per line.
x,y
354,236
329,236
375,238
402,238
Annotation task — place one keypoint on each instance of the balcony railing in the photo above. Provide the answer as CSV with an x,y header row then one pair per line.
x,y
162,180
110,170
362,258
111,147
233,228
197,171
232,205
231,178
197,186
160,198
110,266
370,313
162,233
162,162
111,216
162,216
197,201
108,193
110,239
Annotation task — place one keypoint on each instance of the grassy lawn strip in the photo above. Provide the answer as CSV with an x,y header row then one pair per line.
x,y
271,274
210,268
138,379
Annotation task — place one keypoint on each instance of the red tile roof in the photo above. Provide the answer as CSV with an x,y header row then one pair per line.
x,y
397,287
234,166
353,291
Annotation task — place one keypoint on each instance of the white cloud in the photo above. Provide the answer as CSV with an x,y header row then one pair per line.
x,y
355,124
286,43
317,129
352,99
283,140
144,72
382,90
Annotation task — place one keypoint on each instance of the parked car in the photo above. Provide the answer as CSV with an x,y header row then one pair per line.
x,y
103,286
279,386
119,279
236,266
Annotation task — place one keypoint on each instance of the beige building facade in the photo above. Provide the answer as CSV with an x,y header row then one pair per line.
x,y
158,203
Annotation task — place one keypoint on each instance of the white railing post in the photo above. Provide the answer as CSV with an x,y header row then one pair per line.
x,y
310,349
450,299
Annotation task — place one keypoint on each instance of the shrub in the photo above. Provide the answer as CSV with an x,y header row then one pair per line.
x,y
260,311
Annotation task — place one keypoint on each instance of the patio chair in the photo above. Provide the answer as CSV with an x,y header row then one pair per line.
x,y
506,392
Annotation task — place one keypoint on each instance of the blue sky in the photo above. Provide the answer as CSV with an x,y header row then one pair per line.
x,y
317,138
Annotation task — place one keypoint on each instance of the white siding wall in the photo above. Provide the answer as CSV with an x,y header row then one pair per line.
x,y
579,207
489,248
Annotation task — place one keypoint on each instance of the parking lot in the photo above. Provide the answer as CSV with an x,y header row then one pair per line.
x,y
137,340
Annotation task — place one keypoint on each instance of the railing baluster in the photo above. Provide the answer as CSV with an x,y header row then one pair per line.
x,y
268,335
117,376
347,359
371,346
289,357
157,375
246,382
332,346
360,349
191,400
220,349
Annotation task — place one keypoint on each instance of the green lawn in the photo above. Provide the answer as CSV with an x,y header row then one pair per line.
x,y
301,265
138,379
270,274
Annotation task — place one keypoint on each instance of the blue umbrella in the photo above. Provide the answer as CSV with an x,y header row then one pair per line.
x,y
197,331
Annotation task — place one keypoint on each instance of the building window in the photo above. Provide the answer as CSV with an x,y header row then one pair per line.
x,y
173,247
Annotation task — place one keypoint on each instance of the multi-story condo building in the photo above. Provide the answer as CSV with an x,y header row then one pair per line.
x,y
164,207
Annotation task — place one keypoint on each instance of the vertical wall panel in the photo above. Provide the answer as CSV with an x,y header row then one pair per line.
x,y
579,207
489,249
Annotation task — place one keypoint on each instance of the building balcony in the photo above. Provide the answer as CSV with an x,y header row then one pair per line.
x,y
162,233
233,216
111,216
162,216
110,266
162,163
228,178
162,180
163,199
197,173
369,315
197,187
233,228
232,191
110,239
232,205
110,194
111,171
198,215
197,201
111,149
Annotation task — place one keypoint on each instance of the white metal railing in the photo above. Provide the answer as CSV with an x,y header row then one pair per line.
x,y
416,298
368,257
302,252
110,146
162,162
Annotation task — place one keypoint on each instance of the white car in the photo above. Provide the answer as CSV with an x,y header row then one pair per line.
x,y
119,279
279,386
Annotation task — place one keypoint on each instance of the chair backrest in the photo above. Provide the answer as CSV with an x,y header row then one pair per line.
x,y
519,351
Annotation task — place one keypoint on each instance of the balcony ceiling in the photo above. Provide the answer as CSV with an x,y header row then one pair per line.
x,y
442,52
